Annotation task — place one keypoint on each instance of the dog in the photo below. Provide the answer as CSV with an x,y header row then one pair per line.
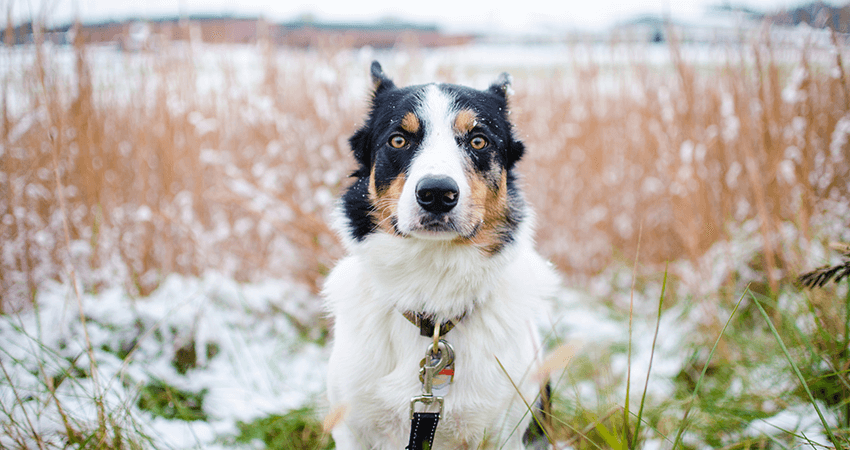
x,y
438,237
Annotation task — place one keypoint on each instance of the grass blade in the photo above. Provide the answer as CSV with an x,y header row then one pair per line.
x,y
796,371
651,356
527,405
609,437
626,409
704,369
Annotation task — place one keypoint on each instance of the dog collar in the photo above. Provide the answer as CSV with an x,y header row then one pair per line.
x,y
425,323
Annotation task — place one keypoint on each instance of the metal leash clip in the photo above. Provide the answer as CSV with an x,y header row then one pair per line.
x,y
436,359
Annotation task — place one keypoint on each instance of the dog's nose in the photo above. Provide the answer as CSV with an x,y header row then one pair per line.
x,y
437,194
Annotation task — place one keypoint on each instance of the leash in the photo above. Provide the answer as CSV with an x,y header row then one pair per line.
x,y
437,366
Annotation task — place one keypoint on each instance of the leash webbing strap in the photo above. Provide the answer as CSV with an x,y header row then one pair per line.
x,y
422,428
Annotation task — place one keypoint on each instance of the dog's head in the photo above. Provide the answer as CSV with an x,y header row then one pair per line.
x,y
436,163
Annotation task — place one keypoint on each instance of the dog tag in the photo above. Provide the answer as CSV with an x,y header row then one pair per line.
x,y
441,380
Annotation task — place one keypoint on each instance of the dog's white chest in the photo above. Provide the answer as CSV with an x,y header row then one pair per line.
x,y
435,223
496,347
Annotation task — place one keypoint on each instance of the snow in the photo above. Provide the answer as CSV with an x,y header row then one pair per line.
x,y
802,418
258,345
262,364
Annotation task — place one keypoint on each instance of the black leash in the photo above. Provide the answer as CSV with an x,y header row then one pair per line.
x,y
422,428
423,425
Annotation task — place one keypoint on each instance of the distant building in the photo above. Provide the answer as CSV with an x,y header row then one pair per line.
x,y
380,35
642,29
719,25
816,15
134,34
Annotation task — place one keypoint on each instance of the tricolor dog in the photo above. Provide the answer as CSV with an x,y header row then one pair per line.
x,y
439,251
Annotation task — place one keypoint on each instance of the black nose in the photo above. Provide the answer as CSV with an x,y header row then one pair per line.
x,y
437,194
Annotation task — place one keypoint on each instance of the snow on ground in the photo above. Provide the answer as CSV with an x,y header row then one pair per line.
x,y
251,360
258,346
258,350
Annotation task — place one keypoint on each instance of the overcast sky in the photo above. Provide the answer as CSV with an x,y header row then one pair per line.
x,y
518,15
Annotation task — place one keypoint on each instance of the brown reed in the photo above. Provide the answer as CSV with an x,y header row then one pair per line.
x,y
170,177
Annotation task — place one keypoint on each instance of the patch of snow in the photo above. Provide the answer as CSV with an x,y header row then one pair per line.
x,y
252,359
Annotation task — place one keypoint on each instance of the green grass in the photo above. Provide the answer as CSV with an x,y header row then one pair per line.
x,y
299,429
777,348
696,390
769,353
768,356
168,402
803,381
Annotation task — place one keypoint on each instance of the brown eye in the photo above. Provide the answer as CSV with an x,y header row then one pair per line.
x,y
478,142
397,141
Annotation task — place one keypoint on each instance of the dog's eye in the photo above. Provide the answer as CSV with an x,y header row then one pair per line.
x,y
397,141
478,142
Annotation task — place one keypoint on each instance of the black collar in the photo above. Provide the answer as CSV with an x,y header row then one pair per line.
x,y
425,322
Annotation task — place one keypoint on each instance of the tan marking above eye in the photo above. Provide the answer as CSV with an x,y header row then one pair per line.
x,y
397,141
410,123
465,121
478,142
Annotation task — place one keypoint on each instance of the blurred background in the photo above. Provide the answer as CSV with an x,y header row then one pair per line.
x,y
168,170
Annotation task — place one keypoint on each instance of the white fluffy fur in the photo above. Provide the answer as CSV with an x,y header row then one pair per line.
x,y
439,156
374,365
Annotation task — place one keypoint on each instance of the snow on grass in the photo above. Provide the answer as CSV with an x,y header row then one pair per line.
x,y
273,150
248,358
797,417
251,354
252,350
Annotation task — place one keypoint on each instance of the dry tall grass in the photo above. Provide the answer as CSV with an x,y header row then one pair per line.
x,y
170,178
170,175
685,151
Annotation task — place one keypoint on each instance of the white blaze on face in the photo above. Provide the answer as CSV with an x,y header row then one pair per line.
x,y
438,155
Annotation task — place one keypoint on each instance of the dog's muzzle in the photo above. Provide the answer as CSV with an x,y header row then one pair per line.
x,y
437,194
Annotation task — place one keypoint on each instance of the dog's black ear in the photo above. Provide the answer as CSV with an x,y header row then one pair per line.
x,y
502,85
360,144
515,151
502,88
380,82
